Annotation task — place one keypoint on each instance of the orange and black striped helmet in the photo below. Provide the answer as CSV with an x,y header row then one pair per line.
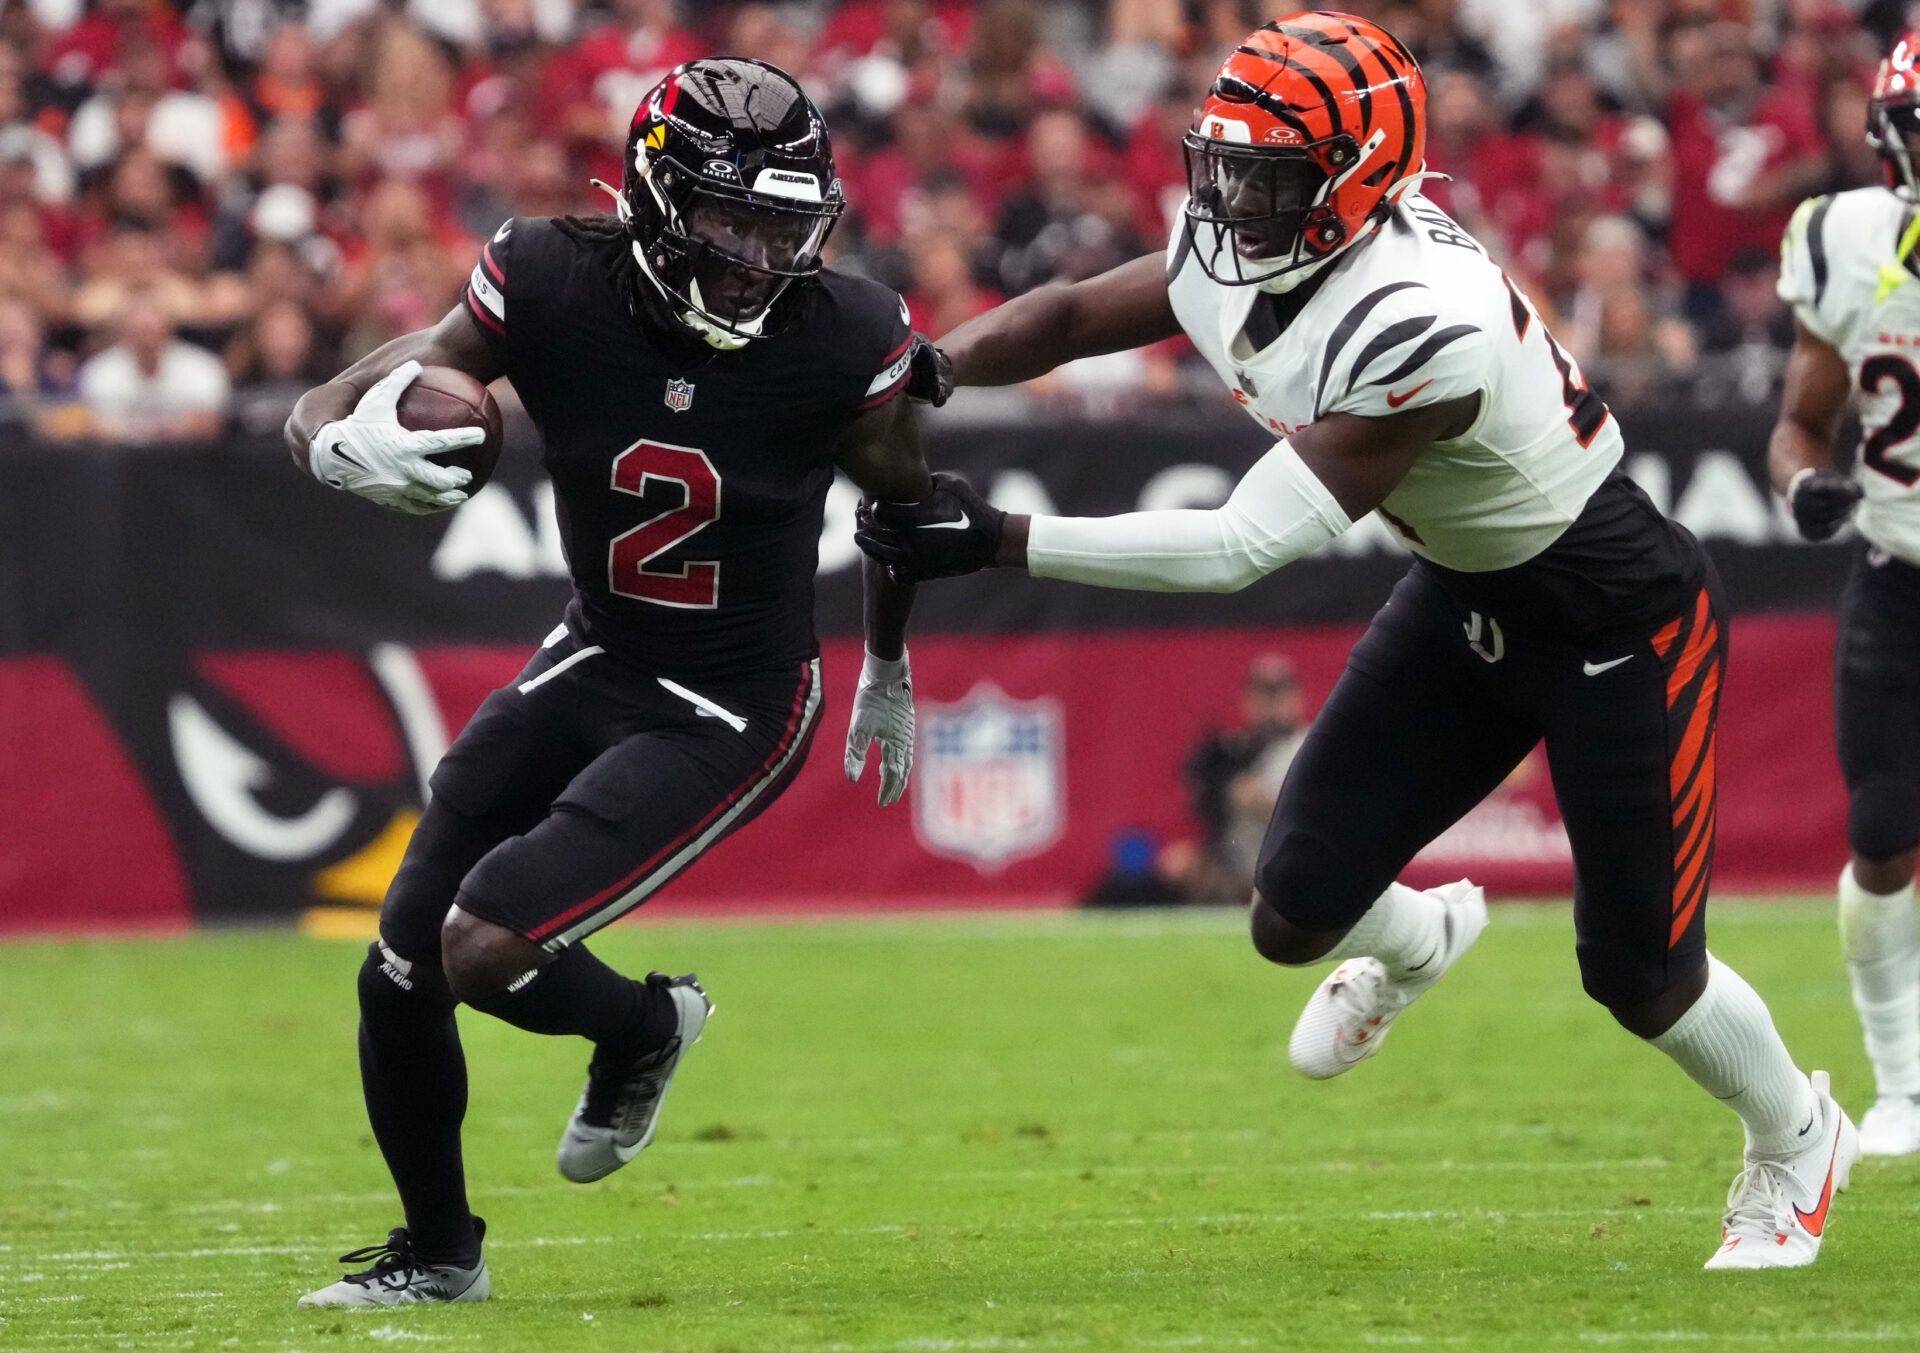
x,y
1893,114
1312,129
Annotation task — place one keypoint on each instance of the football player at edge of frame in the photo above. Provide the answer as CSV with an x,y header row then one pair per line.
x,y
1403,373
1847,267
696,377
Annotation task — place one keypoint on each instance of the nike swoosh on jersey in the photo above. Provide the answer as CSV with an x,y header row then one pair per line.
x,y
1596,668
1395,401
961,525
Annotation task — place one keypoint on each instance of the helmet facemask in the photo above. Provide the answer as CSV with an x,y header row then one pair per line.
x,y
1262,217
722,256
1893,130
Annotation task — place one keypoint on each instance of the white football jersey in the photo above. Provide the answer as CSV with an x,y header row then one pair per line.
x,y
1838,271
1417,315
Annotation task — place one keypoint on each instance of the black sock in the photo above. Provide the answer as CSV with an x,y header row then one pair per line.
x,y
414,1076
578,994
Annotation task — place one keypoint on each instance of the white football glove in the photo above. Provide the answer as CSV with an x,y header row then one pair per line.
x,y
883,713
370,454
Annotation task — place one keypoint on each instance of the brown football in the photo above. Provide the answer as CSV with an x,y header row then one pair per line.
x,y
440,398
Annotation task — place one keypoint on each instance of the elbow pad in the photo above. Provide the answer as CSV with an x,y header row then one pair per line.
x,y
1277,513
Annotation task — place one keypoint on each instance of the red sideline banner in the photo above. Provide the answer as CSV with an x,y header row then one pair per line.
x,y
255,784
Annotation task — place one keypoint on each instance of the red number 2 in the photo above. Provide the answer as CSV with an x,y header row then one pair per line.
x,y
694,583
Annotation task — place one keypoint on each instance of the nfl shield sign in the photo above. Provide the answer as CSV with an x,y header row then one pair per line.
x,y
679,395
991,781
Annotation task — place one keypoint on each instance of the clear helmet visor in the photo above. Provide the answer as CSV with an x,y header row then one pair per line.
x,y
744,254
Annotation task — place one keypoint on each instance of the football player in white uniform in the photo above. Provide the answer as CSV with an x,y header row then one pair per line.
x,y
1847,267
1403,373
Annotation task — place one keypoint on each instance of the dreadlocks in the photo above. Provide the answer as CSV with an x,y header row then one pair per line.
x,y
622,270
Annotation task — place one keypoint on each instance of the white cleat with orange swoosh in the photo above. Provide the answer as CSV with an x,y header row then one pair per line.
x,y
1353,1009
1777,1210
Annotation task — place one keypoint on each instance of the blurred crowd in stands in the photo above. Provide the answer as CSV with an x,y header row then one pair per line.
x,y
207,204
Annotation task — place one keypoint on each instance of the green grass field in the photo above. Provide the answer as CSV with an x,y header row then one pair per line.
x,y
970,1133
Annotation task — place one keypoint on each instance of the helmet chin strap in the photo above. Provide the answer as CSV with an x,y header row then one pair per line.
x,y
1287,281
712,334
1283,282
722,340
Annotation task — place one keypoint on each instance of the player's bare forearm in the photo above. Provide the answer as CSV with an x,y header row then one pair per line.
x,y
881,454
1055,324
456,341
1817,387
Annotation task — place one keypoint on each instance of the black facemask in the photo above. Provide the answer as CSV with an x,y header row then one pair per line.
x,y
1262,197
744,254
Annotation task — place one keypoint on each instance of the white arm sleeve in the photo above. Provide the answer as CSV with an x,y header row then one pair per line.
x,y
1276,514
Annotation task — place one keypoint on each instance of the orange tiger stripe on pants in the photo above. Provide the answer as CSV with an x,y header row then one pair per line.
x,y
1692,648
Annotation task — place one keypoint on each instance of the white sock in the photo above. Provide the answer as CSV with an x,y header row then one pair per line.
x,y
1880,937
1726,1041
1404,930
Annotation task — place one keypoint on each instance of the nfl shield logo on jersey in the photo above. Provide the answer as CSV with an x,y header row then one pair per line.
x,y
992,781
679,395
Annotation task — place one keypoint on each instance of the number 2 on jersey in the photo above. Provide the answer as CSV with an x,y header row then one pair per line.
x,y
693,584
1874,372
1586,411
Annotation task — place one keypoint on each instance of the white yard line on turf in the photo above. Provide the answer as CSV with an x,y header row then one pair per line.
x,y
940,1228
1389,1339
1066,923
1089,1170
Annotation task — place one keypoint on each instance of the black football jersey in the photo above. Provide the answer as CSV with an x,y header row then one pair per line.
x,y
690,483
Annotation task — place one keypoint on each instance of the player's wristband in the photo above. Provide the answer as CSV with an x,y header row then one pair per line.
x,y
880,671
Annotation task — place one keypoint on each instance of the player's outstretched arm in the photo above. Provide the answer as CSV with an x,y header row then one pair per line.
x,y
456,341
881,454
1800,451
1298,496
1030,335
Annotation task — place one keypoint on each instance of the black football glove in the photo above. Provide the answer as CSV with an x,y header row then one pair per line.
x,y
1821,501
929,373
951,531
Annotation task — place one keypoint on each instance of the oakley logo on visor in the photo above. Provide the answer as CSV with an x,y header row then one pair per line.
x,y
720,169
788,183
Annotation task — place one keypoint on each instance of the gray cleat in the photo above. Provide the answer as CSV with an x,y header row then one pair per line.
x,y
400,1277
620,1107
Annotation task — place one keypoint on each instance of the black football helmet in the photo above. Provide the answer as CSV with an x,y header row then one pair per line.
x,y
729,194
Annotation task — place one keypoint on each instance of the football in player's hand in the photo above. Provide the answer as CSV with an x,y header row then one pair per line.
x,y
440,398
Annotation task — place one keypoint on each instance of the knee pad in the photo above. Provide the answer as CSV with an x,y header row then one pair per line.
x,y
390,982
1883,816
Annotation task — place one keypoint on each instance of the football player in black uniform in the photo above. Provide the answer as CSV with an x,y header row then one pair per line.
x,y
696,377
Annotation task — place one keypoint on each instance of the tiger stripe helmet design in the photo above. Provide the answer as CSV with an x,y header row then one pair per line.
x,y
1313,128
